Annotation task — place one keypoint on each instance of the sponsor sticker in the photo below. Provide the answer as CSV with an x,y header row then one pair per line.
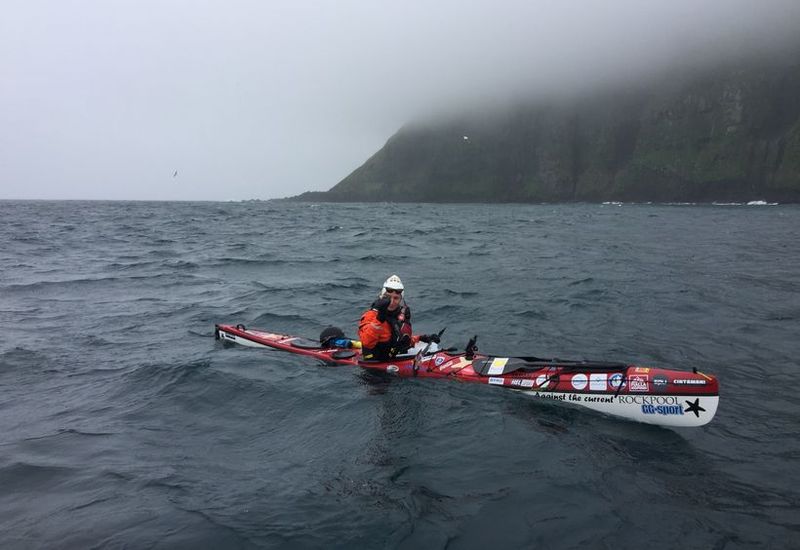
x,y
662,409
497,365
638,383
497,381
597,381
542,381
660,383
392,369
647,400
616,381
438,361
522,382
690,382
579,381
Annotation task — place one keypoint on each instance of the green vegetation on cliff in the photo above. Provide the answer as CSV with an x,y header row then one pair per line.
x,y
730,133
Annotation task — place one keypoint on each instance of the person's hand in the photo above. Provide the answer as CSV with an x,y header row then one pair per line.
x,y
382,306
404,342
430,338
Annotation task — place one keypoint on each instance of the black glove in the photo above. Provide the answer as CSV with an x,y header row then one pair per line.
x,y
381,306
430,338
404,342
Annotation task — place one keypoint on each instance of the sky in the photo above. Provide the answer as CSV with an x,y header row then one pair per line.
x,y
240,99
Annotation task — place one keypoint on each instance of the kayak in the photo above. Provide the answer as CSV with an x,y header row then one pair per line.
x,y
650,395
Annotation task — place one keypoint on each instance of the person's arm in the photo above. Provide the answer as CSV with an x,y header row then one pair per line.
x,y
370,329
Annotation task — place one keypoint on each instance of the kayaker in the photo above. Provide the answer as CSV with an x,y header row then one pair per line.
x,y
385,328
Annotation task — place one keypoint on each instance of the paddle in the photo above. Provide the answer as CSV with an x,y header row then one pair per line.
x,y
421,354
536,363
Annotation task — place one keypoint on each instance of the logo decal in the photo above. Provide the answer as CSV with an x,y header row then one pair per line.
x,y
597,381
579,381
392,369
662,409
660,383
639,383
497,381
438,361
522,382
497,365
648,400
542,381
690,382
616,381
694,407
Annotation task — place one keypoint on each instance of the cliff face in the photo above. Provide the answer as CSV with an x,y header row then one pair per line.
x,y
728,134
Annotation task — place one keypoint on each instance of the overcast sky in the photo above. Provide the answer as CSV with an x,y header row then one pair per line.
x,y
108,99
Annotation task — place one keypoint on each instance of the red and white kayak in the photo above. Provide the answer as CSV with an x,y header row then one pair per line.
x,y
651,395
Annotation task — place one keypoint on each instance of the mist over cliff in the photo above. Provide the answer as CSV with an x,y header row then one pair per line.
x,y
710,130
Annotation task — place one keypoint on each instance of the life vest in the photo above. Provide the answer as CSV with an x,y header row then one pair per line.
x,y
402,322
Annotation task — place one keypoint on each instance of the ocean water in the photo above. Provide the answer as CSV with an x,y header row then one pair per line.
x,y
125,424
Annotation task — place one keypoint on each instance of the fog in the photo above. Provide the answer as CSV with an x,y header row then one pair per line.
x,y
211,100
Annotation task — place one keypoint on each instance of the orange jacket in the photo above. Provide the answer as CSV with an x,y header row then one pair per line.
x,y
371,331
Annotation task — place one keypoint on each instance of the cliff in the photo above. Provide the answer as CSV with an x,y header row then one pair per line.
x,y
728,133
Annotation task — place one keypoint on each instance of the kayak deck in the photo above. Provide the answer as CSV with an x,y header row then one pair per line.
x,y
255,338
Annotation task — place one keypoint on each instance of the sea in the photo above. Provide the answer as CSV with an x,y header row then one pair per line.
x,y
125,424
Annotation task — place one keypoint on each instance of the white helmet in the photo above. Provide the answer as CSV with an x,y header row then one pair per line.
x,y
393,283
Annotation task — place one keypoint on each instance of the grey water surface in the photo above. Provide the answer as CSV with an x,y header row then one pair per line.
x,y
124,424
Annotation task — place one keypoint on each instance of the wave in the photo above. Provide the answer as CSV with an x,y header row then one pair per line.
x,y
24,476
158,395
119,266
782,316
20,358
376,258
60,292
536,314
69,432
462,293
337,285
229,260
181,264
750,203
160,378
270,262
274,321
762,203
443,312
